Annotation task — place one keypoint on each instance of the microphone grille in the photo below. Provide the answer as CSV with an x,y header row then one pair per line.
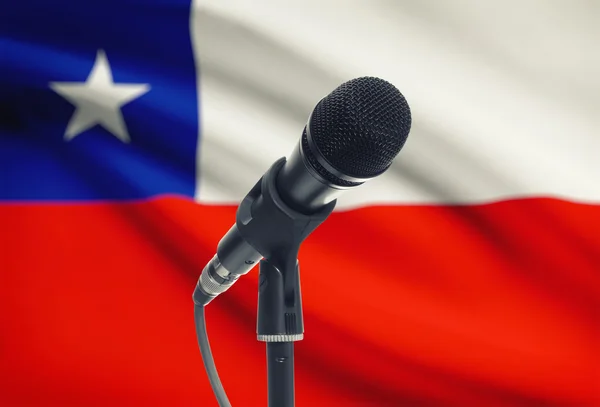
x,y
361,126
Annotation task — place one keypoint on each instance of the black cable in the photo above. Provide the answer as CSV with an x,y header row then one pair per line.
x,y
207,358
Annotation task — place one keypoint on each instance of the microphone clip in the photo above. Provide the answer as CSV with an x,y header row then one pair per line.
x,y
276,231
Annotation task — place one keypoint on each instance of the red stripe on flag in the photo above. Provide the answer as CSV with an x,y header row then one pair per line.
x,y
491,305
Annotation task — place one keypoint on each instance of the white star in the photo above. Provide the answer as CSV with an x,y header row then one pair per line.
x,y
99,100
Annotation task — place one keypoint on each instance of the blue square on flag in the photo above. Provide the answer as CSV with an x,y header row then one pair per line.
x,y
88,110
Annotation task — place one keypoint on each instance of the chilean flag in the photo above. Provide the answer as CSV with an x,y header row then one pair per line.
x,y
466,275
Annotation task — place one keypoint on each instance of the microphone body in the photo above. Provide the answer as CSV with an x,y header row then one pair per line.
x,y
352,135
300,184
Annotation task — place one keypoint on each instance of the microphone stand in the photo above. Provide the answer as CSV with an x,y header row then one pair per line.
x,y
279,324
276,231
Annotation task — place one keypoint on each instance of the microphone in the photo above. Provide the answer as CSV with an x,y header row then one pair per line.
x,y
352,136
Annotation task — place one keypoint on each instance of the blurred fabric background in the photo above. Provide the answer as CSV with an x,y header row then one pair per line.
x,y
466,275
504,95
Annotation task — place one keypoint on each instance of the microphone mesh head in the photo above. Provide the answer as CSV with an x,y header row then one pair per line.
x,y
361,126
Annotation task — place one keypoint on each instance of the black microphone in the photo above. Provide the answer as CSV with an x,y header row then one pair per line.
x,y
352,136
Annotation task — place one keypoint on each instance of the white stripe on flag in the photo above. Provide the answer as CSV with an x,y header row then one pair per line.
x,y
504,97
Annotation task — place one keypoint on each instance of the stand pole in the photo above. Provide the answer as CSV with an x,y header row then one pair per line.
x,y
279,324
280,371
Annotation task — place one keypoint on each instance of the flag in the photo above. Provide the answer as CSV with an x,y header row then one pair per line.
x,y
466,275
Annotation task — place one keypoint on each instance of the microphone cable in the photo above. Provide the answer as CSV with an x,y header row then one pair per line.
x,y
207,357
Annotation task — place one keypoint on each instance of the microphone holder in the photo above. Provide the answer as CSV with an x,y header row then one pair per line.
x,y
276,231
